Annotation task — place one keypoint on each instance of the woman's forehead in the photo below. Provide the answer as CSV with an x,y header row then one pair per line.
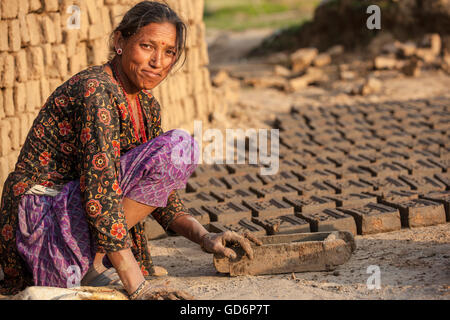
x,y
161,32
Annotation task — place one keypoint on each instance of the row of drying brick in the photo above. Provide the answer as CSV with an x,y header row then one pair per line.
x,y
328,181
418,110
363,213
95,22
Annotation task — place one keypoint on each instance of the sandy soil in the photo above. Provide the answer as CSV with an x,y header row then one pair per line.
x,y
414,264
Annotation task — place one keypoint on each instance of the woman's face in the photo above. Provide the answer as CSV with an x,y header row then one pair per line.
x,y
148,55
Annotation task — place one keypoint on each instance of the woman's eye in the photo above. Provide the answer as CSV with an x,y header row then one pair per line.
x,y
171,52
146,46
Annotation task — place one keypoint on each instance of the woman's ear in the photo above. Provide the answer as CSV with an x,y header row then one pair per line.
x,y
118,40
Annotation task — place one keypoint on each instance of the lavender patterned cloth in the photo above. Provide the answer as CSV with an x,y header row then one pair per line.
x,y
53,235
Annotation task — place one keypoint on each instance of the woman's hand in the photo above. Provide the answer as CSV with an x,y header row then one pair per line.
x,y
216,243
149,292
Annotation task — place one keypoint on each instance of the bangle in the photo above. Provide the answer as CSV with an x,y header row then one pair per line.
x,y
137,291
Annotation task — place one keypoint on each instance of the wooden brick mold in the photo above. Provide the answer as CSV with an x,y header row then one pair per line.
x,y
299,252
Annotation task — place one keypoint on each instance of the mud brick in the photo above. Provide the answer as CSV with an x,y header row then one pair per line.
x,y
393,156
419,212
440,197
200,215
244,225
385,169
245,180
315,188
401,147
374,218
355,133
442,125
351,172
444,164
310,204
153,230
423,183
441,142
194,185
243,168
419,167
313,175
346,161
324,135
299,154
348,186
274,191
397,136
316,163
329,220
397,195
198,199
287,165
422,154
318,120
283,224
331,153
432,133
268,208
208,171
281,177
385,184
323,140
352,200
443,178
374,158
229,212
373,143
340,142
292,142
234,195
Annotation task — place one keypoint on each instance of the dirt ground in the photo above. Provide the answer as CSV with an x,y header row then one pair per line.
x,y
414,263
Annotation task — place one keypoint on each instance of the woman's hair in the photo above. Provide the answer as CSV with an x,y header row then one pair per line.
x,y
146,12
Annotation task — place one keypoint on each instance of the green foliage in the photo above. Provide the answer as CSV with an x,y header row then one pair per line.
x,y
241,15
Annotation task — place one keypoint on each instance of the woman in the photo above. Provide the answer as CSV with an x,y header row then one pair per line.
x,y
95,163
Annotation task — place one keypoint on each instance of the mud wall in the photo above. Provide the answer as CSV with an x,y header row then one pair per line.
x,y
45,42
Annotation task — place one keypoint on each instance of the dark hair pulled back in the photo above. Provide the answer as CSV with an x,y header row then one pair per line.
x,y
146,12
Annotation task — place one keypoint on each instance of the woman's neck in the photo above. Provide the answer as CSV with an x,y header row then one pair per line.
x,y
128,86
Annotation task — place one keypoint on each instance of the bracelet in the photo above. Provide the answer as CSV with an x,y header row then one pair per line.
x,y
137,291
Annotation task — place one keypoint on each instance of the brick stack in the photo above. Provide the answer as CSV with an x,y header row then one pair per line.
x,y
41,47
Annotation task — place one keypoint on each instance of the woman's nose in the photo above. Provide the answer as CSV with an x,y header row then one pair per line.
x,y
156,59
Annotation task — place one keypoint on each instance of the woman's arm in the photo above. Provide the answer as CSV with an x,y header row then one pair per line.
x,y
99,182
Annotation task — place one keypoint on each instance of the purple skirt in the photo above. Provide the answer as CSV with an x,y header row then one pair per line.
x,y
53,234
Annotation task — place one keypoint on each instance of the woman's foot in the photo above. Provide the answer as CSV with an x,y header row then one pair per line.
x,y
159,271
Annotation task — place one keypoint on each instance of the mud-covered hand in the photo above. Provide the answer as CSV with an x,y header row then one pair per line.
x,y
149,292
217,243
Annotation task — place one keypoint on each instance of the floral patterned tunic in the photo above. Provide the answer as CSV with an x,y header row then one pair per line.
x,y
80,133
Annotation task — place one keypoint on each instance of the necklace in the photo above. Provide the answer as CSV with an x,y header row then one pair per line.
x,y
138,104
